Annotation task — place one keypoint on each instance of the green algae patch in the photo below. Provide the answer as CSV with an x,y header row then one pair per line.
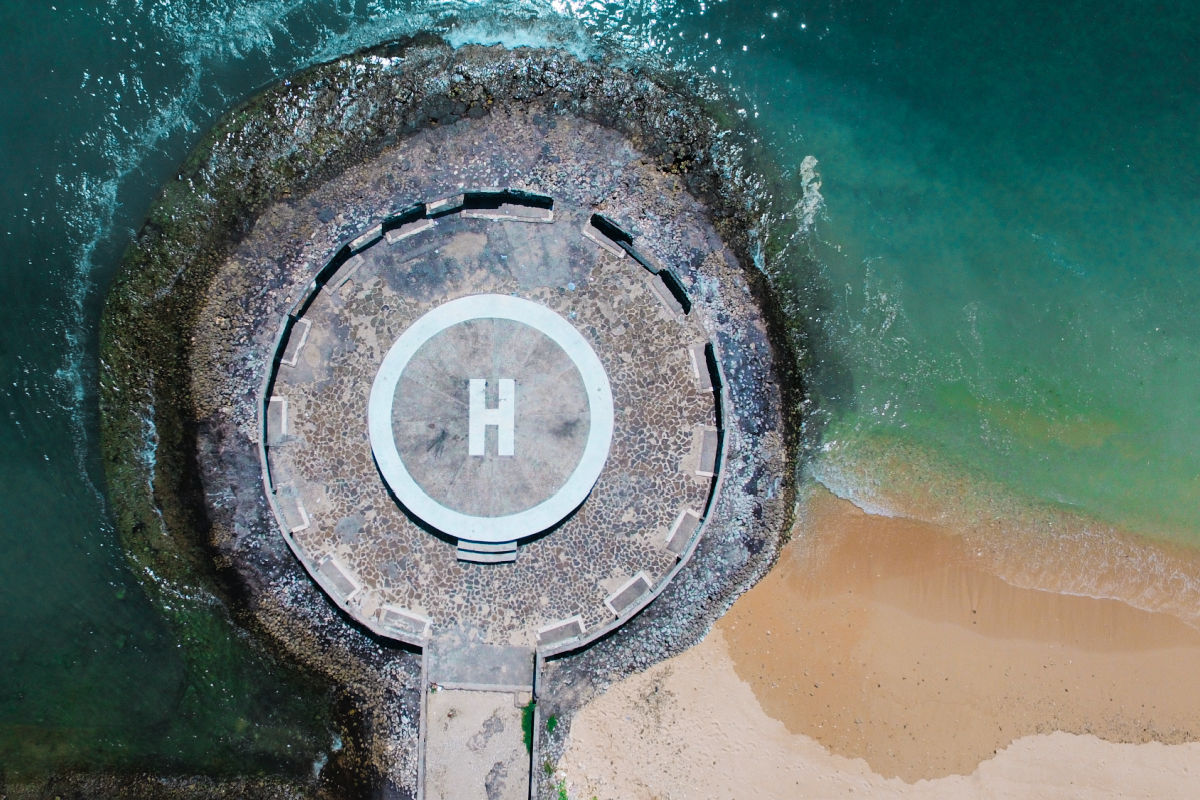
x,y
528,713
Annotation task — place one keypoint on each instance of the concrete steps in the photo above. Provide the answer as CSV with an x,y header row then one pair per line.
x,y
486,553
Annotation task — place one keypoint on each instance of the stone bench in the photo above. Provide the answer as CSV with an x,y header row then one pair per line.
x,y
295,518
511,211
664,296
367,238
648,262
444,206
698,355
346,272
339,576
506,204
486,552
408,229
674,286
561,631
707,441
669,290
681,532
523,197
628,594
295,343
277,420
606,233
403,622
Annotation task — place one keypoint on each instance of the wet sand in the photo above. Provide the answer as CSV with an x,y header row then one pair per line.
x,y
882,653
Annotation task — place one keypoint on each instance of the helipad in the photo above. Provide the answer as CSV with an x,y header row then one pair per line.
x,y
480,471
492,418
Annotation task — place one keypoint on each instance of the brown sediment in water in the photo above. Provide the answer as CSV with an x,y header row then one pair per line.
x,y
887,639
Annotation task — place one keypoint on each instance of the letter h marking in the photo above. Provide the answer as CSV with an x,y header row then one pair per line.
x,y
503,416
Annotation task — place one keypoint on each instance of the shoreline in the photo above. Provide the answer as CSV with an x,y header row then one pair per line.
x,y
885,651
1027,543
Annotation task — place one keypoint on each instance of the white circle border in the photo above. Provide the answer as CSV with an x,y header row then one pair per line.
x,y
509,527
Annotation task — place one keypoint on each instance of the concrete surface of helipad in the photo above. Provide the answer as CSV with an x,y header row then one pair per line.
x,y
594,474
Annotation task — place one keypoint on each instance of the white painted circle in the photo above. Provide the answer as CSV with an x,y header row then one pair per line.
x,y
510,527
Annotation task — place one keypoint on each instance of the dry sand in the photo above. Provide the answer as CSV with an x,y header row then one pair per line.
x,y
880,657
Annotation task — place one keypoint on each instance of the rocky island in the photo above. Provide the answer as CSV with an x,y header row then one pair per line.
x,y
456,378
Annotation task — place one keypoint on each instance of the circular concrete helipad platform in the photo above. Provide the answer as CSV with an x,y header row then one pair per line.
x,y
492,418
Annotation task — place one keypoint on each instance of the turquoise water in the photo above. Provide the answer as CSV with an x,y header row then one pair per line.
x,y
1006,273
1011,246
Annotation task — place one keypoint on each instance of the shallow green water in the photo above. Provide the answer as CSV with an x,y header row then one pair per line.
x,y
1007,277
1011,248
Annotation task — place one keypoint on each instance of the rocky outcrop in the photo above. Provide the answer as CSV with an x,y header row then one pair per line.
x,y
264,200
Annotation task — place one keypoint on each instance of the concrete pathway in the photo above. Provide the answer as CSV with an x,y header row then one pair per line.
x,y
474,744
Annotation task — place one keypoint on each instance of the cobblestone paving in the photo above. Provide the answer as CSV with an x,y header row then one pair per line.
x,y
325,458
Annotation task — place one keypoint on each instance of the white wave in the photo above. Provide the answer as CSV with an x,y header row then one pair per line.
x,y
859,487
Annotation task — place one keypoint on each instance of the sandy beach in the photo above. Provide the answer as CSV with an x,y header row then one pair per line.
x,y
882,655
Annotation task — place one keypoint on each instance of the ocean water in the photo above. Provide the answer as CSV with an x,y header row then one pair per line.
x,y
1003,283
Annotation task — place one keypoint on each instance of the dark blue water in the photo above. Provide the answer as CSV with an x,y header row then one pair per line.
x,y
1007,262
